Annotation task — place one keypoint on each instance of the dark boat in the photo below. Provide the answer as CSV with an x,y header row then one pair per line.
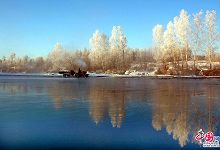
x,y
72,73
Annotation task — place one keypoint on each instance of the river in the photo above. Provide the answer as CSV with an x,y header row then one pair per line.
x,y
106,113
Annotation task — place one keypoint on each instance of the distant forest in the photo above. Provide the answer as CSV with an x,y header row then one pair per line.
x,y
62,59
188,38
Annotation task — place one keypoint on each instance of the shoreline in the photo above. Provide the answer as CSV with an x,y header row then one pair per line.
x,y
48,75
169,77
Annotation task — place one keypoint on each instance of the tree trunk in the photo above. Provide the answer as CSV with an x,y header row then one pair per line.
x,y
194,64
186,55
210,60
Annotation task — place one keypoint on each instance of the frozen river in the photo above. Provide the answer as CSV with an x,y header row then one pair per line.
x,y
106,113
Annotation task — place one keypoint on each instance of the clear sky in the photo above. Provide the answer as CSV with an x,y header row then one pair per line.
x,y
33,27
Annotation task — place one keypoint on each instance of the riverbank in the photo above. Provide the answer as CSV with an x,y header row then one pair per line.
x,y
32,74
94,75
168,77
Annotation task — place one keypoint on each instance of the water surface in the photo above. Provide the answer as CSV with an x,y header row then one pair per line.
x,y
106,113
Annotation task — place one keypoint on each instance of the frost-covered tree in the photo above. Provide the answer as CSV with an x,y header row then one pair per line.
x,y
169,42
118,48
212,35
182,30
197,36
123,47
158,40
12,58
113,40
164,44
39,64
114,48
56,58
99,50
69,61
85,58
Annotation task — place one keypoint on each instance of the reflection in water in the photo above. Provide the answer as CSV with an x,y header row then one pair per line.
x,y
107,99
117,108
98,104
181,107
170,110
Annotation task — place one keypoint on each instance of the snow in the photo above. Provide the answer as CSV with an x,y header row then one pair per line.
x,y
32,74
128,74
92,74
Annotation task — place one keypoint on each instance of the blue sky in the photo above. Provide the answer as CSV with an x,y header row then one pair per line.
x,y
33,27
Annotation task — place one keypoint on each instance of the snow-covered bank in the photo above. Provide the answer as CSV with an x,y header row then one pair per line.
x,y
32,74
152,76
95,75
99,75
167,77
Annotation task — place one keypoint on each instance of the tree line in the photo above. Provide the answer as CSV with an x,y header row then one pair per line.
x,y
186,38
100,57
